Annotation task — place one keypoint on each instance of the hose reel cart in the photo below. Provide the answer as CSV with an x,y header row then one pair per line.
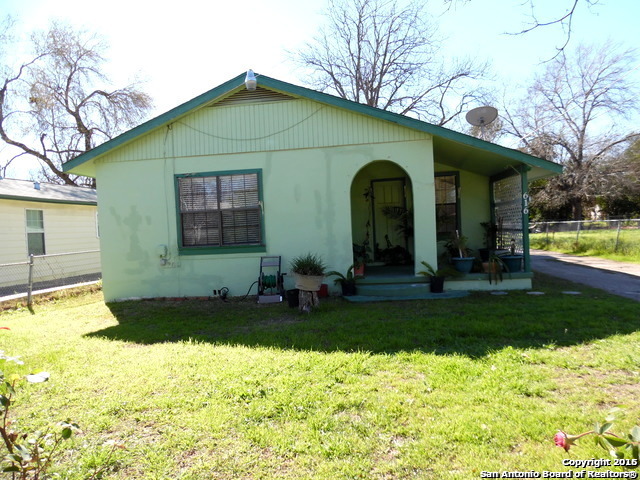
x,y
270,281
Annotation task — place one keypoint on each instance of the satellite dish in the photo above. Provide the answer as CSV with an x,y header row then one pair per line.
x,y
481,116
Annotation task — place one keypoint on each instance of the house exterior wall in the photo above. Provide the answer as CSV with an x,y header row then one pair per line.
x,y
311,160
306,208
67,228
308,156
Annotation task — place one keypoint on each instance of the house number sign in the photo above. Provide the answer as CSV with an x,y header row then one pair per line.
x,y
525,203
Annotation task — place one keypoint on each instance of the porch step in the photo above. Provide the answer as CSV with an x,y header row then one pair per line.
x,y
392,289
392,279
425,295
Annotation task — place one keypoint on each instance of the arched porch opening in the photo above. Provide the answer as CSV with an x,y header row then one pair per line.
x,y
382,217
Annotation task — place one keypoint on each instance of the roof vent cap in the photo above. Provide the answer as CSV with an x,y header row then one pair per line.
x,y
250,81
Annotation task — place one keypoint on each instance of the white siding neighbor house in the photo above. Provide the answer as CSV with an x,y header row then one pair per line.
x,y
46,219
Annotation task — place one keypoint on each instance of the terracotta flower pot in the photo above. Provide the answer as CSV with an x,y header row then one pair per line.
x,y
358,271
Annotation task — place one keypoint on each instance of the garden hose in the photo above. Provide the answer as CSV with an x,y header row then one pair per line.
x,y
269,281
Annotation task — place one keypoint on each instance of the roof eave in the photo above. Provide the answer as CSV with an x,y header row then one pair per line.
x,y
75,164
48,200
413,123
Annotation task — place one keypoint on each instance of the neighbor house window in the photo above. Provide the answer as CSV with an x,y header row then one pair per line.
x,y
446,205
35,232
220,210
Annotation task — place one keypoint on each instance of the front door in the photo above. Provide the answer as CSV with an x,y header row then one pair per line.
x,y
389,202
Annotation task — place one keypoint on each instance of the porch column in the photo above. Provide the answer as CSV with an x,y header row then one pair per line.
x,y
525,216
510,202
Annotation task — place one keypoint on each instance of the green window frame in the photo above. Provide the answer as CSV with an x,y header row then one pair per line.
x,y
220,212
447,185
35,232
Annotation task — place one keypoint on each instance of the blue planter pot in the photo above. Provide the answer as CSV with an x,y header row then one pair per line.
x,y
512,262
463,264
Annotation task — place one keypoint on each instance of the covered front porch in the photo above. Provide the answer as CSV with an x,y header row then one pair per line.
x,y
489,210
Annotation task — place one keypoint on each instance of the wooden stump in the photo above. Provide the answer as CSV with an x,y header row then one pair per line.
x,y
307,300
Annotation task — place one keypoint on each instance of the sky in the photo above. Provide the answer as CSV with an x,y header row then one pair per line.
x,y
182,49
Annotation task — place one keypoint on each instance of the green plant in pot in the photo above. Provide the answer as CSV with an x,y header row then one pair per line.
x,y
490,240
437,277
361,256
494,267
308,271
347,282
460,258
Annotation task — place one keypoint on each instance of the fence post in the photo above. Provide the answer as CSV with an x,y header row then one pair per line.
x,y
30,286
578,232
547,231
617,237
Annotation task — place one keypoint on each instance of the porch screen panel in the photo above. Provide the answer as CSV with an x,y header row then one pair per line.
x,y
507,197
222,210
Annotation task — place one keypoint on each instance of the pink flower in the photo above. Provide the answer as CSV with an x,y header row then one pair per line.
x,y
565,441
562,440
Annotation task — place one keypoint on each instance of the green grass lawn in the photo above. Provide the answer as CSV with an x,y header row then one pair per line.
x,y
593,243
441,389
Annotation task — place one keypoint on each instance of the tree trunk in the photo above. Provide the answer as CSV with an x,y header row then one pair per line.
x,y
576,207
307,300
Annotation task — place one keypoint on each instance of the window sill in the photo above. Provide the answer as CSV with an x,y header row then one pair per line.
x,y
222,250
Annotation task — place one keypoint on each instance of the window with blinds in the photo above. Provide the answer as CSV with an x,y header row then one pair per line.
x,y
220,210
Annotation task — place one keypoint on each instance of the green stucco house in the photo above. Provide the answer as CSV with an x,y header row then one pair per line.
x,y
191,200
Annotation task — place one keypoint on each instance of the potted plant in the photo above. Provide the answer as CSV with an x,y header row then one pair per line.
x,y
457,245
512,261
308,271
404,226
362,251
361,257
494,267
490,240
437,277
347,282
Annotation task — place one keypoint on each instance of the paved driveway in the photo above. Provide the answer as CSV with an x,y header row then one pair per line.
x,y
619,278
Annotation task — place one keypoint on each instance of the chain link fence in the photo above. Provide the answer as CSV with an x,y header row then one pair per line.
x,y
49,272
618,236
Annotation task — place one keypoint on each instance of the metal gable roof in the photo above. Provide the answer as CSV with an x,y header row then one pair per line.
x,y
29,191
451,148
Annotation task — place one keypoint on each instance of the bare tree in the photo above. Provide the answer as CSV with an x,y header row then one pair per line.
x,y
572,115
630,162
563,18
490,133
50,108
383,55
